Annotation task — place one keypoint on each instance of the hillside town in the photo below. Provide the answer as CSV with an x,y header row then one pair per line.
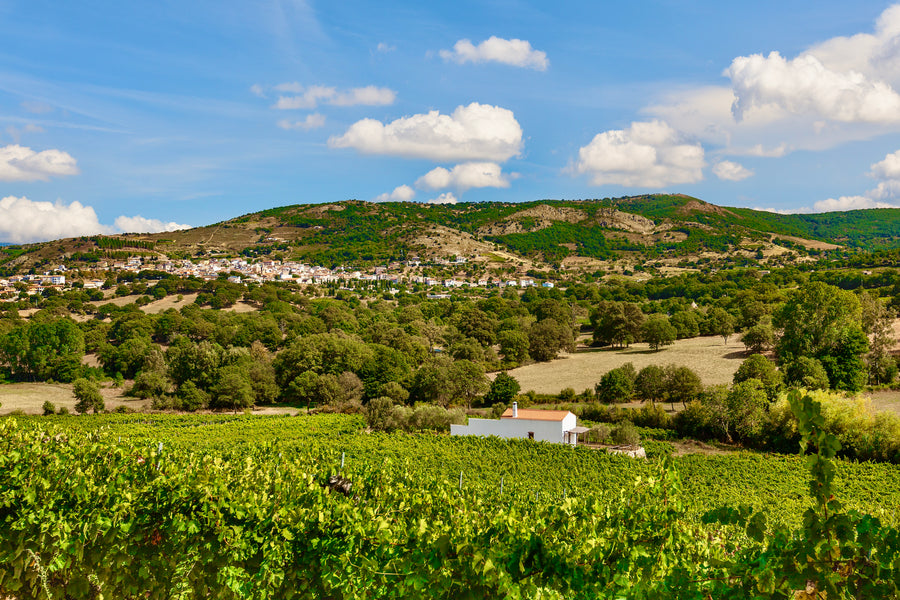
x,y
242,271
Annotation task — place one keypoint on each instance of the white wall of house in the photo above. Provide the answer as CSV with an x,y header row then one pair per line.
x,y
544,431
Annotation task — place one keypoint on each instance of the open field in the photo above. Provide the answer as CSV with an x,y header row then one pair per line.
x,y
714,361
30,397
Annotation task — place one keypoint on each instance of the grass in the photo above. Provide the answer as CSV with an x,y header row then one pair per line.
x,y
714,361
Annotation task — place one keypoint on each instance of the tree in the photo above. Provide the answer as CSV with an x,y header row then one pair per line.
x,y
685,324
824,322
466,380
682,385
87,392
513,345
658,332
650,383
720,322
758,338
503,389
617,323
806,372
547,337
760,368
615,386
232,389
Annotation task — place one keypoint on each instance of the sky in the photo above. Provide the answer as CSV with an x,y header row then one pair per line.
x,y
153,116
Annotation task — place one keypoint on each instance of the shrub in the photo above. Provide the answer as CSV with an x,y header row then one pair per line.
x,y
63,410
626,434
49,408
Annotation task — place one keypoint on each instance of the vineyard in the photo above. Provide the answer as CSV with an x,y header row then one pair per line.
x,y
210,506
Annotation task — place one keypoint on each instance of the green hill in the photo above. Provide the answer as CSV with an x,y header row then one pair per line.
x,y
541,233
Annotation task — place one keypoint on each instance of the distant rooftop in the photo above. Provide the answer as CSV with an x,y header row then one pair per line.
x,y
536,414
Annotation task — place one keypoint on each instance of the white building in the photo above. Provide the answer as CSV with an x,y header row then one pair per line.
x,y
557,426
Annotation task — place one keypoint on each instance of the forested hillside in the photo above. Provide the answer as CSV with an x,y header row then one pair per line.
x,y
546,232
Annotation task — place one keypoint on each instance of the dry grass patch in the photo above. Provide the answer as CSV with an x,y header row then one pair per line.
x,y
714,361
30,397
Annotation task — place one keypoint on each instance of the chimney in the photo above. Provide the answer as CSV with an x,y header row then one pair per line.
x,y
515,410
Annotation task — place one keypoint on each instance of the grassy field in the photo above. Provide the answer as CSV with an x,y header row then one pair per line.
x,y
714,361
30,397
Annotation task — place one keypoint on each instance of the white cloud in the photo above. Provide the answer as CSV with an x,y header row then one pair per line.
x,y
840,90
445,198
889,168
19,163
849,203
873,54
515,52
805,86
884,195
384,47
257,90
310,97
647,154
465,176
473,132
139,224
731,171
313,121
402,193
365,96
23,221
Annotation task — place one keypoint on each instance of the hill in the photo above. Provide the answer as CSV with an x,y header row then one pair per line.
x,y
574,234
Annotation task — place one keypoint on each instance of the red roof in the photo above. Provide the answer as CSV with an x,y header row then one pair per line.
x,y
536,414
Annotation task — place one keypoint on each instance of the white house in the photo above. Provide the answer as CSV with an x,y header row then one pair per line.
x,y
557,426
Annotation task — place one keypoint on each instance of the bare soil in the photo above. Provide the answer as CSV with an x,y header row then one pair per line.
x,y
713,360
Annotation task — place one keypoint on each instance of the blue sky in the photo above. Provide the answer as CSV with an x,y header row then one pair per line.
x,y
139,116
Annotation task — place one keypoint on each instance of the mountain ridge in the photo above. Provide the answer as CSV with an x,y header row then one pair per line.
x,y
543,233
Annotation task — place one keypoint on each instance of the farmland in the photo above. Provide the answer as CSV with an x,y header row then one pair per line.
x,y
240,507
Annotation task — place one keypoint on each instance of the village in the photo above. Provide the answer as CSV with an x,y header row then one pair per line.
x,y
242,271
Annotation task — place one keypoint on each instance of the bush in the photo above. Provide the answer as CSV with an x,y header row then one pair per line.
x,y
598,434
652,415
49,408
63,410
626,434
695,421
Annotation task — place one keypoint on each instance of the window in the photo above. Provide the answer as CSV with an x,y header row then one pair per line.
x,y
530,435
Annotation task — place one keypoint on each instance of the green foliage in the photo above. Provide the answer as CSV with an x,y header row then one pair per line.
x,y
763,370
657,331
616,385
503,389
88,395
625,434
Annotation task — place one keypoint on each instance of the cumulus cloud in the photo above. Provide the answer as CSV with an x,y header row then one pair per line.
x,y
257,90
731,171
515,52
473,132
402,193
310,97
20,163
465,176
445,198
313,121
874,54
887,169
384,47
884,195
804,85
23,221
840,90
647,154
139,224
